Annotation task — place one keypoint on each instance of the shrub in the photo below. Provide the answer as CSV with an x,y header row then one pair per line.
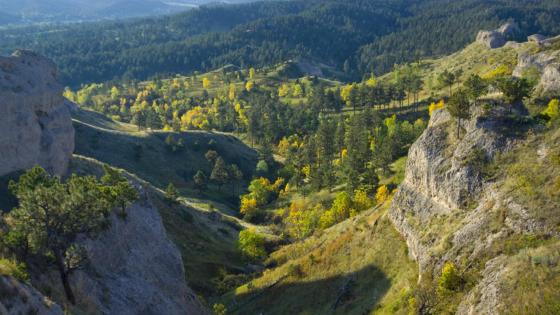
x,y
10,268
450,279
251,245
219,309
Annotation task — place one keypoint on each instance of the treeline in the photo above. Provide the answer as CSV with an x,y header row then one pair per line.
x,y
355,37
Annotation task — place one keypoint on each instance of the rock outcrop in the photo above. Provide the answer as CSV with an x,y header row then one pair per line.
x,y
441,182
550,80
19,298
35,126
499,37
133,267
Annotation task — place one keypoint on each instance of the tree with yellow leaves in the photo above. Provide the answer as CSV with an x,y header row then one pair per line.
x,y
552,110
252,73
372,81
283,90
382,194
249,86
361,200
231,92
249,207
298,90
206,83
435,106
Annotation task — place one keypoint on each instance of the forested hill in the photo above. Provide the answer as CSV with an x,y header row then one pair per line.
x,y
356,36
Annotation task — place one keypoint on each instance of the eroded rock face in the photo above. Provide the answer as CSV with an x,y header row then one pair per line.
x,y
498,38
19,298
550,80
35,126
136,268
438,181
133,267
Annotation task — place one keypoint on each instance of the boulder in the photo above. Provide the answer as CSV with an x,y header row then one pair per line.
x,y
499,37
536,38
550,80
491,39
35,126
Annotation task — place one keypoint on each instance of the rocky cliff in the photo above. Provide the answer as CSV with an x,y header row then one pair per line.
x,y
133,267
452,207
35,126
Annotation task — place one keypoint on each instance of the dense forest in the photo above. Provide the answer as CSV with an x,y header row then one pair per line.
x,y
355,37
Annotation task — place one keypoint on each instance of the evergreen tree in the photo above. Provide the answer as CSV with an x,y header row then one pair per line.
x,y
220,173
459,107
200,181
52,215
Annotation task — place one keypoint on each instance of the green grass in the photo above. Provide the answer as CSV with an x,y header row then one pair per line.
x,y
145,154
359,266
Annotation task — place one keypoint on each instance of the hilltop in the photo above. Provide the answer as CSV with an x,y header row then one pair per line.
x,y
355,37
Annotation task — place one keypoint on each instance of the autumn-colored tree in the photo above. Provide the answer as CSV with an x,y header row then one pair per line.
x,y
298,90
435,106
283,90
249,208
251,73
171,193
382,194
206,83
341,206
552,110
249,86
232,92
361,200
450,279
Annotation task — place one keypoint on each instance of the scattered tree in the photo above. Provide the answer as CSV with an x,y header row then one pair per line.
x,y
51,214
459,107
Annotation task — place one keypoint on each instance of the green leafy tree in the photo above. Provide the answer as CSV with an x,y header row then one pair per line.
x,y
171,192
459,107
251,245
513,89
51,214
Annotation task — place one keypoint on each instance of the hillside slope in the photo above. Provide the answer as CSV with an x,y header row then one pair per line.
x,y
352,35
355,267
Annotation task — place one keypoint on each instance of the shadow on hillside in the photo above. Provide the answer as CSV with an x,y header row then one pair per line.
x,y
148,156
354,293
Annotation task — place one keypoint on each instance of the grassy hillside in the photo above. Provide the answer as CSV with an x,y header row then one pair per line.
x,y
360,266
146,154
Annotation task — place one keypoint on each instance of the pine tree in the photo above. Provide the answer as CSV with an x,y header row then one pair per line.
x,y
200,181
459,107
220,173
